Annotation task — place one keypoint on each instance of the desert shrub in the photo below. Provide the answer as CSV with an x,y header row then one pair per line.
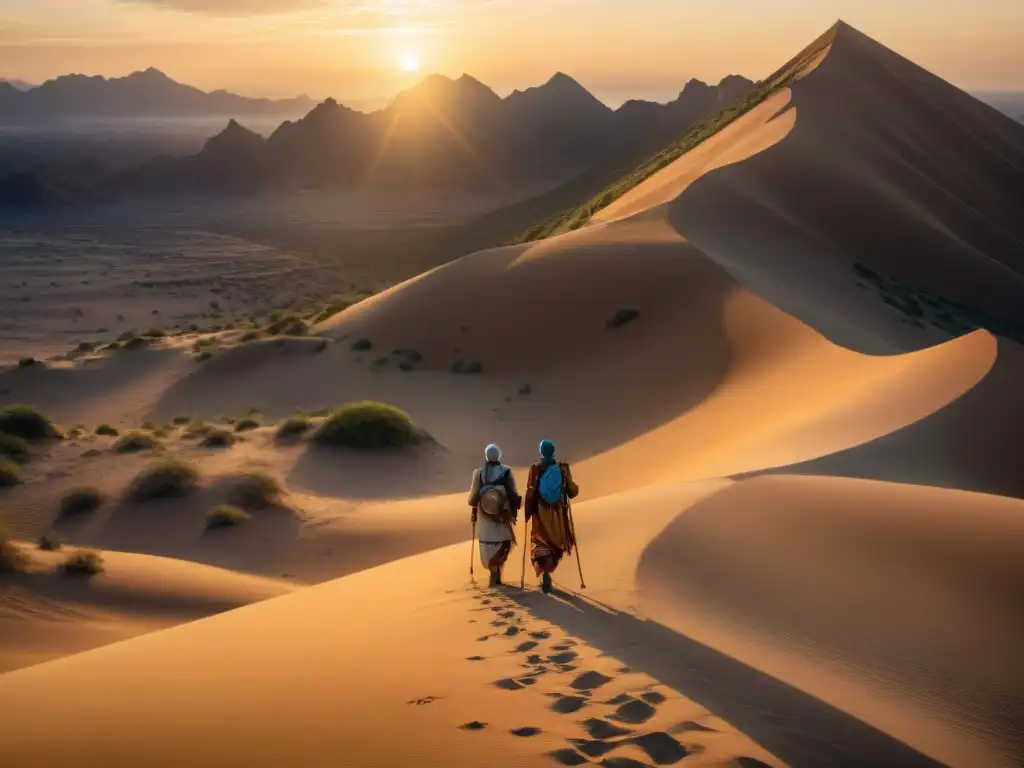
x,y
255,491
292,427
14,448
134,442
81,500
48,542
252,335
10,475
218,438
126,336
196,429
468,366
226,516
12,558
362,345
82,562
623,316
26,362
163,479
179,420
27,423
135,342
107,430
204,355
288,326
321,345
248,424
368,425
155,333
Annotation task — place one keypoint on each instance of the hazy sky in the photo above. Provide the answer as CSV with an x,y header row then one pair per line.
x,y
353,49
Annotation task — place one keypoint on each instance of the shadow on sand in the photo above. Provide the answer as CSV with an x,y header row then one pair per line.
x,y
794,726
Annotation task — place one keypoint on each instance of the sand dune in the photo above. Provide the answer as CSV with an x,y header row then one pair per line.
x,y
895,603
45,615
710,323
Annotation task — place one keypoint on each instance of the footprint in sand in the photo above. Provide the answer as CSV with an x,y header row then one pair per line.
x,y
529,645
634,712
660,747
425,700
566,705
542,635
652,697
568,757
622,762
588,681
689,725
512,631
474,658
597,728
475,725
562,658
526,732
508,684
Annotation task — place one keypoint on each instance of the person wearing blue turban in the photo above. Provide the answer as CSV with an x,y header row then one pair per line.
x,y
548,490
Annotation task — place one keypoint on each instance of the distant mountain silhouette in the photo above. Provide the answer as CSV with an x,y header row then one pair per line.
x,y
19,85
441,132
142,94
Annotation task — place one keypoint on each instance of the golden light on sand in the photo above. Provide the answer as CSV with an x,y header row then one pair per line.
x,y
409,62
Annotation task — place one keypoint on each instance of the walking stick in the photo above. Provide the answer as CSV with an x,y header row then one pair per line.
x,y
472,543
526,538
572,527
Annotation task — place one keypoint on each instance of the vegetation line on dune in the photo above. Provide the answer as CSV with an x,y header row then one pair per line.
x,y
700,132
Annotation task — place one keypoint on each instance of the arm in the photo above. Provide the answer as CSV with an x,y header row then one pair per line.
x,y
529,500
571,489
474,489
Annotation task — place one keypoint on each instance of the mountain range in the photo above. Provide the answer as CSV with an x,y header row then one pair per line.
x,y
149,93
442,132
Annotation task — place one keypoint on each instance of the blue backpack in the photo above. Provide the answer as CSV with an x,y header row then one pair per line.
x,y
550,484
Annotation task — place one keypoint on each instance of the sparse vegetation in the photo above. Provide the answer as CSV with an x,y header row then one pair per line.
x,y
218,438
135,342
134,442
292,428
14,448
289,325
48,542
107,430
163,479
698,133
622,317
27,423
362,345
196,429
10,475
468,366
80,501
12,558
226,516
155,333
179,420
82,562
251,335
204,355
368,425
255,491
248,424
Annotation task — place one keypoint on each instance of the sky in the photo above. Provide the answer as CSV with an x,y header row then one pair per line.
x,y
362,51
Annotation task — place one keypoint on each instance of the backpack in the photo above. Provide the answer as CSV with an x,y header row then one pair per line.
x,y
495,498
550,484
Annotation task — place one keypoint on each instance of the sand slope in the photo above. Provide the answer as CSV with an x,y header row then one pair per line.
x,y
45,615
896,603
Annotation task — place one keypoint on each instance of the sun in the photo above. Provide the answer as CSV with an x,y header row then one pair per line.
x,y
409,62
